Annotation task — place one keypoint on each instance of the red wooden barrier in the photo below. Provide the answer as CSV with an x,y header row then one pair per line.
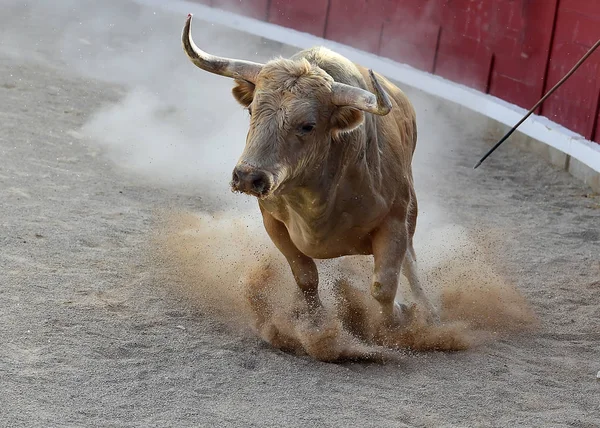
x,y
513,49
253,8
356,23
575,104
308,16
411,31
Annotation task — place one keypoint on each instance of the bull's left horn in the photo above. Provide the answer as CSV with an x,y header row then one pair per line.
x,y
234,68
351,96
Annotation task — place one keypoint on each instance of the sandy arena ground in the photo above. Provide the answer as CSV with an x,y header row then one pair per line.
x,y
107,130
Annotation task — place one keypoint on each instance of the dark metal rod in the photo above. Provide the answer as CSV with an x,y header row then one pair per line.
x,y
560,82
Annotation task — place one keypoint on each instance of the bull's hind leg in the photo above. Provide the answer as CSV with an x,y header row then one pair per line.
x,y
409,269
303,267
409,266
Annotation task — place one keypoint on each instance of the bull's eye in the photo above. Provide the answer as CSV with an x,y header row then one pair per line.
x,y
249,111
305,128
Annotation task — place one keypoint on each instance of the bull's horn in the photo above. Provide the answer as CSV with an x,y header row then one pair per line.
x,y
346,95
233,68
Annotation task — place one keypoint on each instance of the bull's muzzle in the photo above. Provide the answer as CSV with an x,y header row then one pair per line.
x,y
250,180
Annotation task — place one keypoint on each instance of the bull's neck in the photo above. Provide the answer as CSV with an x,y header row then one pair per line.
x,y
342,174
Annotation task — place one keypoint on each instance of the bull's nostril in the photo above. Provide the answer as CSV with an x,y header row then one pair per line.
x,y
235,178
259,185
250,181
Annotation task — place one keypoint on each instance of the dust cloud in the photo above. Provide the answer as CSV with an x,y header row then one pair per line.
x,y
180,127
225,264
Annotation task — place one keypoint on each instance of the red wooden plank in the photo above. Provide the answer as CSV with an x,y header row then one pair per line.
x,y
410,33
575,104
476,21
415,47
578,28
514,91
563,58
526,76
596,135
458,6
578,96
506,17
463,54
505,45
306,15
589,8
521,54
577,118
464,60
583,81
251,8
356,22
470,18
414,12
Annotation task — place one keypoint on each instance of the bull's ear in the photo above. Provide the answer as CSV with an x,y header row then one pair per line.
x,y
345,119
243,92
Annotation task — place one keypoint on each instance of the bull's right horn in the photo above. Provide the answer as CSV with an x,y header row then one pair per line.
x,y
234,68
378,103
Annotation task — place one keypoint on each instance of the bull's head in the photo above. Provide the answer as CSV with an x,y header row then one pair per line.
x,y
296,111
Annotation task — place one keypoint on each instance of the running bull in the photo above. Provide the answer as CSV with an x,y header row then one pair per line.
x,y
328,156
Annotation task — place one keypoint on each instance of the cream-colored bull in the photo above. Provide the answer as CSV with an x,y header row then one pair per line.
x,y
328,156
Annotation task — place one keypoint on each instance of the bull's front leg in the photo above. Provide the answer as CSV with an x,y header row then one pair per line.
x,y
389,244
303,267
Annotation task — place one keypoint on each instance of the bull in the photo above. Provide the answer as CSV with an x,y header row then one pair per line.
x,y
328,156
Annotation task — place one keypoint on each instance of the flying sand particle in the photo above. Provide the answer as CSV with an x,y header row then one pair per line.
x,y
225,264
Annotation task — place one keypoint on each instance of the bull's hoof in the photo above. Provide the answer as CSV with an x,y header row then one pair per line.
x,y
400,317
314,313
433,317
406,313
430,315
403,316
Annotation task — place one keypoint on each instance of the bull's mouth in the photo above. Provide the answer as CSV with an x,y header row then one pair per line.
x,y
258,193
